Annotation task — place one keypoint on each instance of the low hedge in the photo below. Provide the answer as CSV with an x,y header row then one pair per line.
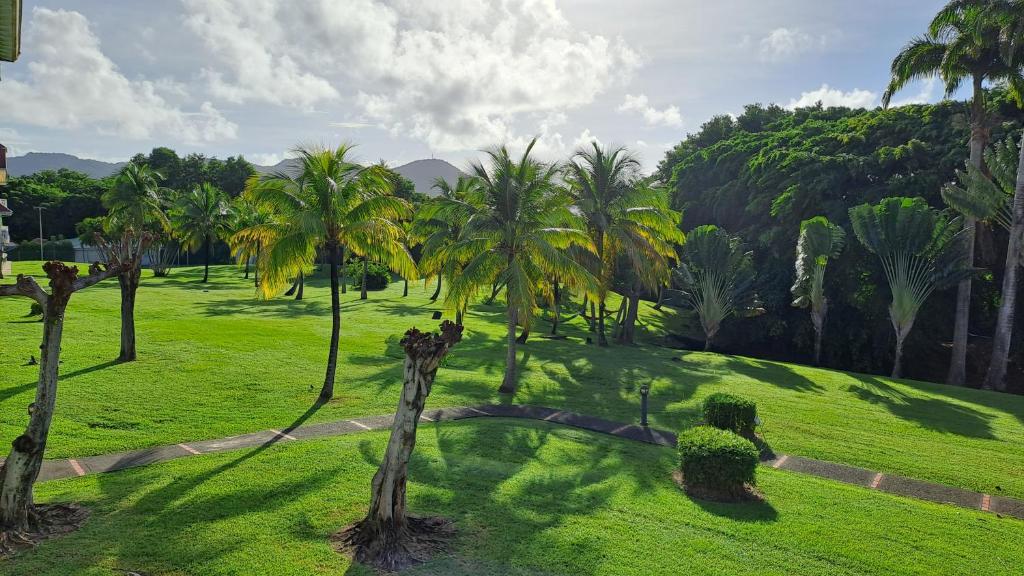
x,y
717,462
729,412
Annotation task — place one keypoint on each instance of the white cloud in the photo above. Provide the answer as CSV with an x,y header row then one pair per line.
x,y
72,84
828,96
652,116
456,74
784,43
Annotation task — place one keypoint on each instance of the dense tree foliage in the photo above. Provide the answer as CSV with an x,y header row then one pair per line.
x,y
760,174
67,198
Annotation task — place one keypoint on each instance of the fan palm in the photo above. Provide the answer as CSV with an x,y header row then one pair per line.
x,y
717,277
624,217
920,250
820,241
515,237
963,43
202,216
328,203
135,204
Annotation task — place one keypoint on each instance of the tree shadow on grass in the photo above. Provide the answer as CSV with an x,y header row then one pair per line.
x,y
89,370
774,373
931,413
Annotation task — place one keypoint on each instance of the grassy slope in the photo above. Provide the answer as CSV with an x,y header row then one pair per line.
x,y
528,498
215,362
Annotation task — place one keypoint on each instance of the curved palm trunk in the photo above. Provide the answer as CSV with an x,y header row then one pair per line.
x,y
995,378
301,284
327,392
246,277
129,283
206,264
523,337
437,292
508,384
628,334
366,266
661,298
979,138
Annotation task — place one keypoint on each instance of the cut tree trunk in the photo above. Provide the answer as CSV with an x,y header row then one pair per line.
x,y
508,383
327,392
996,376
388,538
129,283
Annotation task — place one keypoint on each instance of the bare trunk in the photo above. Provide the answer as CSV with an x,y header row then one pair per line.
x,y
524,336
438,291
246,268
979,138
632,311
996,376
206,264
661,298
256,269
388,538
327,392
593,317
366,268
818,320
897,365
344,270
619,315
405,288
602,340
129,283
301,283
556,308
508,384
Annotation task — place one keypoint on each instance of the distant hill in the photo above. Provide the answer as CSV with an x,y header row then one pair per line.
x,y
422,173
39,161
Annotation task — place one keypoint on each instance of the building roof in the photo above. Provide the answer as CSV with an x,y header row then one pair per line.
x,y
4,210
10,30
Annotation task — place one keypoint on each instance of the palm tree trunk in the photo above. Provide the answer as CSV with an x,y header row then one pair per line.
x,y
362,290
206,264
508,384
995,378
522,339
301,285
555,309
627,336
897,365
438,291
661,298
344,271
818,320
405,287
327,392
256,269
129,283
246,277
593,317
979,138
602,340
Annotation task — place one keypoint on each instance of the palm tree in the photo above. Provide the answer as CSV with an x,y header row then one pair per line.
x,y
135,204
820,241
963,43
245,246
329,203
625,218
516,236
202,216
920,249
717,277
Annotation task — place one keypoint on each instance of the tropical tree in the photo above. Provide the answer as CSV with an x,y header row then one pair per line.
x,y
246,248
820,241
21,520
328,203
963,44
717,276
135,204
920,250
515,237
624,217
201,217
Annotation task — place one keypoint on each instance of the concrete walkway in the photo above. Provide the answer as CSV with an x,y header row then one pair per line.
x,y
1003,506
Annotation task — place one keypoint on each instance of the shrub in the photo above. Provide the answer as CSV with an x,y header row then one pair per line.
x,y
716,463
728,412
377,275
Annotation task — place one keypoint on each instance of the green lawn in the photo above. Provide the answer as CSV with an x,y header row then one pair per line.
x,y
214,361
528,498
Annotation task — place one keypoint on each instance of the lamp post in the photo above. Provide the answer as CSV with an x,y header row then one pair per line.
x,y
40,210
644,391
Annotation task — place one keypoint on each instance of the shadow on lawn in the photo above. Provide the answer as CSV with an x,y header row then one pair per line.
x,y
931,413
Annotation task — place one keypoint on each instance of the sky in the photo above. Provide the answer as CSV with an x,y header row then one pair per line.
x,y
409,79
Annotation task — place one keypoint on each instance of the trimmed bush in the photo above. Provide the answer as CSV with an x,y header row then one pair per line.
x,y
728,412
716,463
377,275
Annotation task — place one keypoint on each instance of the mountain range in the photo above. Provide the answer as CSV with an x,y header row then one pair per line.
x,y
422,173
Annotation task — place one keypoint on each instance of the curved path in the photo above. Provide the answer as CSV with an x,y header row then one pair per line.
x,y
54,469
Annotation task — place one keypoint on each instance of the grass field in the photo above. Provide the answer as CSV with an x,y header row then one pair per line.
x,y
528,498
214,361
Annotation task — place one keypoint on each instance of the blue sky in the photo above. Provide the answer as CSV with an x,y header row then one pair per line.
x,y
407,79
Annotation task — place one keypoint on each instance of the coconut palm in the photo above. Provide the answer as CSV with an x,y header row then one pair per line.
x,y
328,203
202,216
624,217
963,44
920,249
717,277
135,204
820,241
516,236
246,247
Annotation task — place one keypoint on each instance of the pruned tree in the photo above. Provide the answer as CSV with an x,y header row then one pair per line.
x,y
820,241
717,277
126,245
920,250
388,538
21,521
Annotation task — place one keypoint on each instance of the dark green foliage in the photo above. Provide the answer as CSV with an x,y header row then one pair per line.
x,y
377,275
67,197
760,175
716,461
35,310
728,412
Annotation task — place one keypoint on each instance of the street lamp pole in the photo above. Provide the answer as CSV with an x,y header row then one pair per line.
x,y
40,210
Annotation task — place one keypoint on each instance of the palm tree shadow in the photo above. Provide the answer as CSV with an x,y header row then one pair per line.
x,y
931,413
89,370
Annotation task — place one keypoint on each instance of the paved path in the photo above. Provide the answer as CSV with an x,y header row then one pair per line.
x,y
53,469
